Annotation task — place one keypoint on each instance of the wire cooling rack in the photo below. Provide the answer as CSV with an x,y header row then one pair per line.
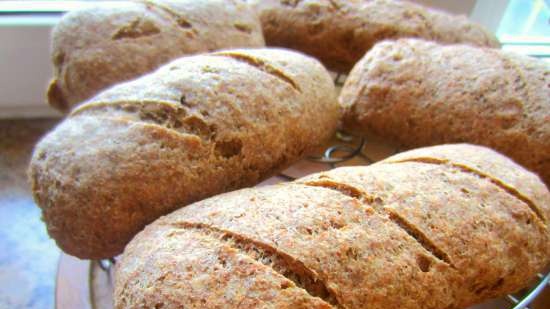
x,y
345,150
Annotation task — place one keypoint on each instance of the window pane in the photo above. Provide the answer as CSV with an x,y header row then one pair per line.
x,y
525,19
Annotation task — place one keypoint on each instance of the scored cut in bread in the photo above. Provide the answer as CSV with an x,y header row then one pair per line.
x,y
418,93
97,47
339,32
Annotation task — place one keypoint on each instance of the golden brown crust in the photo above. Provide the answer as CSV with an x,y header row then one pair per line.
x,y
196,127
340,32
419,93
98,47
395,234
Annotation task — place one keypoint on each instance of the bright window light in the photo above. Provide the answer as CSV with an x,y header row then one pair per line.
x,y
525,28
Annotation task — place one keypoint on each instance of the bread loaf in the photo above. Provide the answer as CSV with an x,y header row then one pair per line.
x,y
439,227
196,127
419,93
97,47
339,32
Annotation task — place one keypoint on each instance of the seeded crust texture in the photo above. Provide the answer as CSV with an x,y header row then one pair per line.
x,y
196,127
428,228
98,47
418,93
339,32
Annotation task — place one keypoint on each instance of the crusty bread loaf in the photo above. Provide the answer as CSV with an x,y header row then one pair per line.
x,y
419,93
196,127
97,47
339,32
430,228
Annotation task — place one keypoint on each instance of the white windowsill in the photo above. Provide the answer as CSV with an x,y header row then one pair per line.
x,y
26,69
25,66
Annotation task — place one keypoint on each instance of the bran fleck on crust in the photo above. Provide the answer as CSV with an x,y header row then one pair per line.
x,y
196,127
340,32
419,93
394,234
97,47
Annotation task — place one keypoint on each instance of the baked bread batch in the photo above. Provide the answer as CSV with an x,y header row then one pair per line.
x,y
101,46
196,127
440,227
339,32
418,93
